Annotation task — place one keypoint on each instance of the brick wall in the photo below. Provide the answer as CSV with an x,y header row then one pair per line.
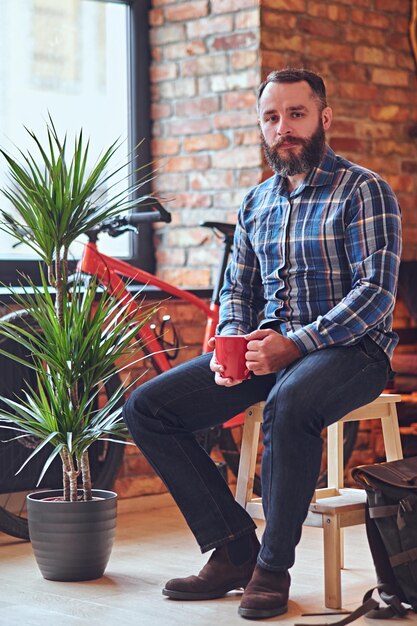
x,y
207,61
209,57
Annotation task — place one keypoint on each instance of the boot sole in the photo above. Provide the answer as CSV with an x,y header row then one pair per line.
x,y
262,613
208,595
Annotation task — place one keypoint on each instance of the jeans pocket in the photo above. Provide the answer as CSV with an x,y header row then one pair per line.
x,y
372,350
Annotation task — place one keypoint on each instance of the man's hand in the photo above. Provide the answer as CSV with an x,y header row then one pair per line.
x,y
268,352
218,369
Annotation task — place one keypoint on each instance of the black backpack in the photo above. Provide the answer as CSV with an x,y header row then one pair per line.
x,y
391,527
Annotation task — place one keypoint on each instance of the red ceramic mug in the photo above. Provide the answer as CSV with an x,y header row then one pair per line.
x,y
230,352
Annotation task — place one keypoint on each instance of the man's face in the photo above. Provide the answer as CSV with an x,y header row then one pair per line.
x,y
292,127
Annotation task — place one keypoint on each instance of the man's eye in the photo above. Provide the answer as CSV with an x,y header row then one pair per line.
x,y
297,115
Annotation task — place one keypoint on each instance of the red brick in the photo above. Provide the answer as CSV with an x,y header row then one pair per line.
x,y
249,177
320,48
180,88
165,71
235,80
375,56
243,156
213,179
247,19
400,8
243,59
190,278
212,26
278,21
342,128
294,6
167,146
229,199
380,164
239,100
409,167
166,34
357,34
273,40
403,182
171,256
156,17
197,106
203,257
232,6
234,120
372,130
272,60
170,183
159,111
185,49
186,163
333,11
246,137
398,42
191,201
370,19
400,96
204,65
384,147
183,11
212,141
349,144
189,126
356,91
320,28
388,77
389,112
231,42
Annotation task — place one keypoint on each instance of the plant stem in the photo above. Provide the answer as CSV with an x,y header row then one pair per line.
x,y
66,469
86,476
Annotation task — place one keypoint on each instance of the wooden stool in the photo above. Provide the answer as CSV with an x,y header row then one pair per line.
x,y
333,508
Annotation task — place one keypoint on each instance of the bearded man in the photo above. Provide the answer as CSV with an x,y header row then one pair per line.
x,y
312,284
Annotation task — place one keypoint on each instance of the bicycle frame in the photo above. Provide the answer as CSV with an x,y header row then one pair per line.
x,y
109,271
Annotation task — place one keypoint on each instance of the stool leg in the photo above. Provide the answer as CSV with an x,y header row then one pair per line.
x,y
391,435
332,562
248,454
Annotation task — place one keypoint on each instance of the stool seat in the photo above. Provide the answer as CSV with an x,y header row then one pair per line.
x,y
333,507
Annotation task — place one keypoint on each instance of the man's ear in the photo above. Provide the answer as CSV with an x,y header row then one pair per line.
x,y
326,117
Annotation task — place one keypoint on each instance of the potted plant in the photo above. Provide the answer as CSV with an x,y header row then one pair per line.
x,y
55,200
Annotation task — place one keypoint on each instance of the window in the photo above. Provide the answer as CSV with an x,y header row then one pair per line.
x,y
74,60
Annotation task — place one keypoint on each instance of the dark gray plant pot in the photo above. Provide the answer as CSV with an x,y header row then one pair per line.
x,y
72,540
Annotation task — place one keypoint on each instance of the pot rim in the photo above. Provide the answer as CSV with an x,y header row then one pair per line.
x,y
43,493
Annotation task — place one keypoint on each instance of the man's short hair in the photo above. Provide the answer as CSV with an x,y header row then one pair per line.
x,y
296,75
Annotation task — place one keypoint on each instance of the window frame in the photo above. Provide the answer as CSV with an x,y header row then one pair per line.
x,y
139,130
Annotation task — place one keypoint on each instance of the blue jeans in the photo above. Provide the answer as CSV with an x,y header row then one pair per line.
x,y
312,393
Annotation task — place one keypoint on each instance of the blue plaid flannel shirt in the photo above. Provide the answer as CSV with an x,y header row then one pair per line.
x,y
323,259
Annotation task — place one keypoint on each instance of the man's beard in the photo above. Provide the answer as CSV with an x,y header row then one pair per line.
x,y
312,150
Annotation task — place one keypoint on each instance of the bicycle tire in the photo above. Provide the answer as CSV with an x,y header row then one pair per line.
x,y
105,457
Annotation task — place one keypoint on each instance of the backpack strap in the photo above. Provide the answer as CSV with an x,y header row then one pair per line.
x,y
394,606
367,606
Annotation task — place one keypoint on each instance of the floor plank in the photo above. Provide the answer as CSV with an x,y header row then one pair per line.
x,y
152,545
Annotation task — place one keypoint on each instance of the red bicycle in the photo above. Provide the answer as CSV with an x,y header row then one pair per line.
x,y
161,348
117,276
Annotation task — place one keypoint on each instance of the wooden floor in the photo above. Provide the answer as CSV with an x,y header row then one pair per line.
x,y
152,545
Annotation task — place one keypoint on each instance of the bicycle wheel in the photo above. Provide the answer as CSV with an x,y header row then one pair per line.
x,y
105,456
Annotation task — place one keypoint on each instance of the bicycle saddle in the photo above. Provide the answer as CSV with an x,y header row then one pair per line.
x,y
226,229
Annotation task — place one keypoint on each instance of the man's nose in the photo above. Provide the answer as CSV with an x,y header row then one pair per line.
x,y
283,128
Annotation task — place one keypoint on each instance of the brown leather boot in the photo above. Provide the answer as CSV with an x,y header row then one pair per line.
x,y
217,577
266,595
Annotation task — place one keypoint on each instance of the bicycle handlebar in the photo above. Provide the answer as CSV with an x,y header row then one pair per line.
x,y
158,212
